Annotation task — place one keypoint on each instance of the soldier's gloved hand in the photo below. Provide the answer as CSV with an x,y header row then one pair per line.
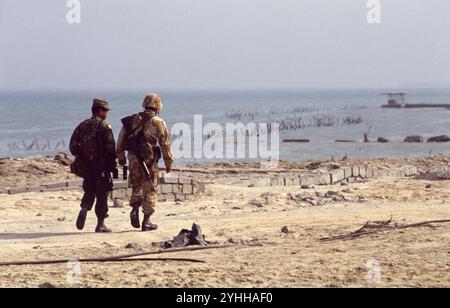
x,y
122,162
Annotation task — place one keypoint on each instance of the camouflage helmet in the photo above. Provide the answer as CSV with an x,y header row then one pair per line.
x,y
152,100
99,103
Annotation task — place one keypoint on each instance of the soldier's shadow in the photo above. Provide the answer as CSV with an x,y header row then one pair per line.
x,y
31,236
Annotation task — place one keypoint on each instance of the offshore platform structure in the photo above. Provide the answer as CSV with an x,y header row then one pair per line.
x,y
398,100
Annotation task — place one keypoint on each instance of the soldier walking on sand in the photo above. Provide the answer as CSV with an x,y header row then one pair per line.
x,y
93,146
139,136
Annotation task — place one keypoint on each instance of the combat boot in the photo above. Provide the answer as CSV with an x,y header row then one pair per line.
x,y
81,220
101,228
134,216
147,225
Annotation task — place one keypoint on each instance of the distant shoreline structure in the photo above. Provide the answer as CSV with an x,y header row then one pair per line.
x,y
398,100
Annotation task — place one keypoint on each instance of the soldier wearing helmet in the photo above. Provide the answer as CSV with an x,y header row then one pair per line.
x,y
93,146
140,137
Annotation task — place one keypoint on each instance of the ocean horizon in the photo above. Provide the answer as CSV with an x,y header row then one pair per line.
x,y
40,122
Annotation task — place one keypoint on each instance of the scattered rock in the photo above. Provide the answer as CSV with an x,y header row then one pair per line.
x,y
118,203
256,203
307,187
61,219
313,166
267,195
47,285
434,176
443,138
383,140
414,139
38,215
63,158
429,186
108,245
285,230
132,246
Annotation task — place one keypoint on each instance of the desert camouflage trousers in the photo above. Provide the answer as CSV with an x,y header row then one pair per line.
x,y
144,192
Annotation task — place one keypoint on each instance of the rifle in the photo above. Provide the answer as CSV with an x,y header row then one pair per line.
x,y
133,145
101,155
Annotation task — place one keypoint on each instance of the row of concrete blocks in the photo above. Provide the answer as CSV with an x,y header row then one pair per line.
x,y
344,174
170,189
178,187
71,185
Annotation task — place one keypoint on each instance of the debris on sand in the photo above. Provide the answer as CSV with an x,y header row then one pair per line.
x,y
47,285
434,176
63,158
285,230
319,199
134,246
186,237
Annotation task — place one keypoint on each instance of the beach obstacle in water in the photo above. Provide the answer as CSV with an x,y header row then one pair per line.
x,y
296,140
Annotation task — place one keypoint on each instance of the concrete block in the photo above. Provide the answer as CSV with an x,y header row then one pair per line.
x,y
55,185
34,189
166,189
16,191
188,189
337,176
74,183
121,184
120,193
184,180
176,188
325,179
274,182
355,171
347,172
291,181
199,187
166,179
369,172
51,189
314,180
262,182
362,172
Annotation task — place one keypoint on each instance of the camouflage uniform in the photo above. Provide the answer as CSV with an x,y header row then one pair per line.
x,y
99,163
154,131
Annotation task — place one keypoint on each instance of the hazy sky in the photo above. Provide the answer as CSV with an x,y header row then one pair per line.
x,y
223,44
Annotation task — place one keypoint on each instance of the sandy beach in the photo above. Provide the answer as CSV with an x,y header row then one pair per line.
x,y
39,226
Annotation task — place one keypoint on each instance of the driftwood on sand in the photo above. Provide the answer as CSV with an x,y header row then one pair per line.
x,y
126,257
380,227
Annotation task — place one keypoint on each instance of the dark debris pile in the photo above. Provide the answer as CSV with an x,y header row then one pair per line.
x,y
186,237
